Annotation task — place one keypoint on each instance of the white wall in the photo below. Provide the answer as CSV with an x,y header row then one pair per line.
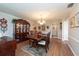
x,y
53,26
9,18
74,40
74,36
32,24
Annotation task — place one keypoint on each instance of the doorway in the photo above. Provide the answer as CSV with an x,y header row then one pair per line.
x,y
65,30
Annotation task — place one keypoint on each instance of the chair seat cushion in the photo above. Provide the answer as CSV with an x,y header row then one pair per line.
x,y
42,42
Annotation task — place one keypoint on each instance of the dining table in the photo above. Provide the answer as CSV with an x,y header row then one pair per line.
x,y
34,39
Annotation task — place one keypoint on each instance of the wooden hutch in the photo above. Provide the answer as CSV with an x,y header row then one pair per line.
x,y
22,28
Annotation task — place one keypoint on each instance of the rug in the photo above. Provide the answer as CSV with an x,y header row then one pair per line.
x,y
34,51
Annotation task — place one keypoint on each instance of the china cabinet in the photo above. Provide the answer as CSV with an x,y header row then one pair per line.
x,y
22,28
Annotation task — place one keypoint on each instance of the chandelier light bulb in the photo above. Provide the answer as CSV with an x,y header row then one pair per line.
x,y
41,22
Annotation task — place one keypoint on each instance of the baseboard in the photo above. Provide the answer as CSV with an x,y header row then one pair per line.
x,y
71,49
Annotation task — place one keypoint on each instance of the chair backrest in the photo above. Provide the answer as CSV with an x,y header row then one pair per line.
x,y
48,35
48,38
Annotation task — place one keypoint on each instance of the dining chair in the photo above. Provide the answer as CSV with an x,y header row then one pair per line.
x,y
33,39
45,42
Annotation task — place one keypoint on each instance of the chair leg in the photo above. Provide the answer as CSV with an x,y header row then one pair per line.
x,y
34,44
46,48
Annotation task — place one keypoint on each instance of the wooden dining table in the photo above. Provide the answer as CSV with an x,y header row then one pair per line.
x,y
34,39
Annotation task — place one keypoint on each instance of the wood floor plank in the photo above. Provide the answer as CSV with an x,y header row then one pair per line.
x,y
57,48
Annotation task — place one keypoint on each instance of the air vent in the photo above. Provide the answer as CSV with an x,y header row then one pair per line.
x,y
70,5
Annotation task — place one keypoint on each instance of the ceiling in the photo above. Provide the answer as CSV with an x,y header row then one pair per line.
x,y
36,11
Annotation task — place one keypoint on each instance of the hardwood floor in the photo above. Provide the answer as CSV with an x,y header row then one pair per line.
x,y
57,48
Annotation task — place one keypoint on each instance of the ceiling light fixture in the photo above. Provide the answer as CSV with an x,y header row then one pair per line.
x,y
42,21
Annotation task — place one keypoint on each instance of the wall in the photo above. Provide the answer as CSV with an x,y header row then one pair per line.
x,y
32,24
56,31
53,26
74,36
9,18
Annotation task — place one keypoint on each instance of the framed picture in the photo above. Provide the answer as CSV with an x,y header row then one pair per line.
x,y
74,21
39,27
77,19
43,27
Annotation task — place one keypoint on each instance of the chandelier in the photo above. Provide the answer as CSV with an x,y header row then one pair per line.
x,y
42,21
